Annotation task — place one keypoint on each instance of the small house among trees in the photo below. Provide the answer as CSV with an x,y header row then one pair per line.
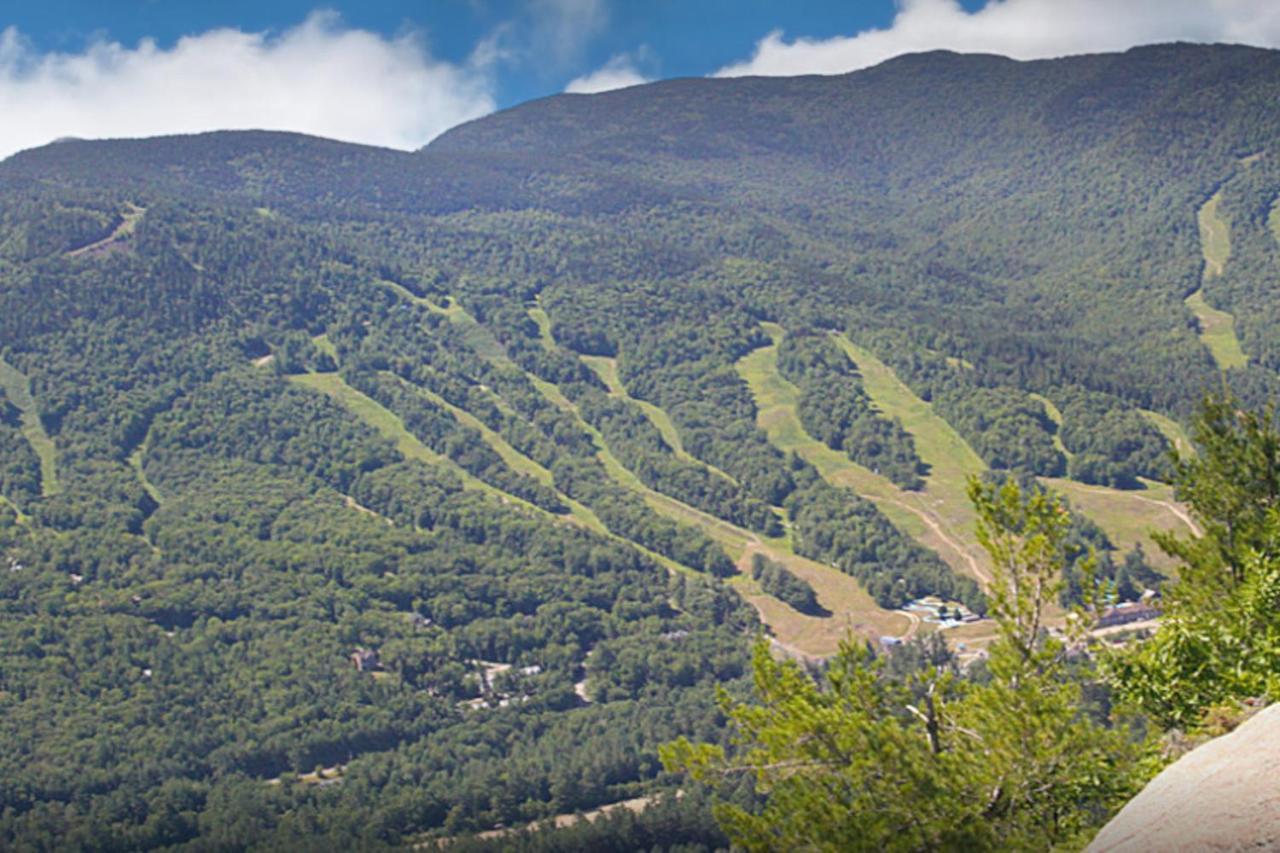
x,y
1126,612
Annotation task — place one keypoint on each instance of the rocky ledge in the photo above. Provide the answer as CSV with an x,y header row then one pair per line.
x,y
1223,795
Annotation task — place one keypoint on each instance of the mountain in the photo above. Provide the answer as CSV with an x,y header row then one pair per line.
x,y
444,472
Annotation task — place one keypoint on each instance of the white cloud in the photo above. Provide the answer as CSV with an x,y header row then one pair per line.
x,y
618,73
546,37
319,77
562,28
1023,29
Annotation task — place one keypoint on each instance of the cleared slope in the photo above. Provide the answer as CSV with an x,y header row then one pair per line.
x,y
607,369
513,458
914,514
1172,430
1215,237
1130,517
851,608
1055,415
128,222
18,389
1217,328
950,459
385,422
449,308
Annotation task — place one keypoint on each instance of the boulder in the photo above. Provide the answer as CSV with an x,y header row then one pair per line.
x,y
1223,795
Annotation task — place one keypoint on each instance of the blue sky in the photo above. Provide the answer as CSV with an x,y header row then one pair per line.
x,y
673,38
398,73
678,37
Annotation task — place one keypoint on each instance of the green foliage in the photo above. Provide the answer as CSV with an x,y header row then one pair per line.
x,y
19,464
1027,535
858,760
1219,640
836,410
1089,569
1009,430
1112,445
777,580
1019,229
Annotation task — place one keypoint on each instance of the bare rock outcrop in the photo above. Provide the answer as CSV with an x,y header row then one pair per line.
x,y
1223,795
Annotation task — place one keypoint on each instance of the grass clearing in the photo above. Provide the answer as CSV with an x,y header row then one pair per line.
x,y
540,317
326,346
951,461
1217,332
128,223
1055,415
18,390
1217,328
1172,430
136,463
513,458
1215,237
480,339
19,515
1129,517
852,610
372,413
450,308
937,442
934,517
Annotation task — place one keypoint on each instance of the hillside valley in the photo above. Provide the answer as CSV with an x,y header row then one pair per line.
x,y
372,497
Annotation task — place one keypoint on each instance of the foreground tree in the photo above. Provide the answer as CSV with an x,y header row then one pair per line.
x,y
1219,641
858,761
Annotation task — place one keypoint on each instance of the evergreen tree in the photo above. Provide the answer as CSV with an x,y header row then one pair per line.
x,y
856,760
1219,640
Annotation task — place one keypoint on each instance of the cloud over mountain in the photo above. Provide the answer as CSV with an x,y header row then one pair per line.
x,y
618,73
319,77
1023,29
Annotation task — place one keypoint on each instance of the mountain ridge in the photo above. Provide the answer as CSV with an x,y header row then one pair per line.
x,y
440,469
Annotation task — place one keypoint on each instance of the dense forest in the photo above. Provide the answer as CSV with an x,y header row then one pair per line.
x,y
369,497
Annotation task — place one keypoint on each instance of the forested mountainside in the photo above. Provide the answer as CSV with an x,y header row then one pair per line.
x,y
359,494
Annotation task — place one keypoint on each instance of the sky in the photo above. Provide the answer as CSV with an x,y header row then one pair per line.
x,y
398,73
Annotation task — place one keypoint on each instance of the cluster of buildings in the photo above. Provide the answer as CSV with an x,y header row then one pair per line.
x,y
933,609
1128,612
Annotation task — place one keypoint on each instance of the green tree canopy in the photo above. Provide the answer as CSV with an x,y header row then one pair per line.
x,y
1219,640
856,760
